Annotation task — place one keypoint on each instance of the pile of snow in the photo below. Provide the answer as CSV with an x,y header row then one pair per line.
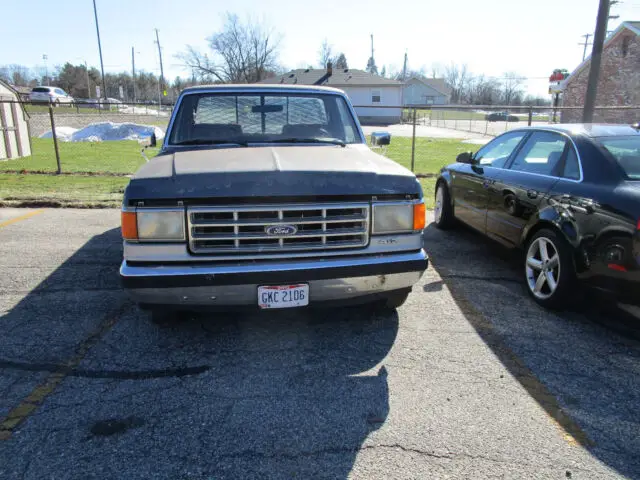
x,y
137,110
106,131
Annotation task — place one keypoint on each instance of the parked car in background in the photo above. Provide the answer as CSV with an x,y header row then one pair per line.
x,y
269,197
500,117
53,95
569,195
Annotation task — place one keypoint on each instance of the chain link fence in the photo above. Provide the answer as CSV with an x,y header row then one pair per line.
x,y
96,138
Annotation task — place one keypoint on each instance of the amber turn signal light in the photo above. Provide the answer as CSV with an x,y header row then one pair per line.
x,y
129,223
419,216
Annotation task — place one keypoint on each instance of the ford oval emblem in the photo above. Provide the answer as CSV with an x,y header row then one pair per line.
x,y
281,230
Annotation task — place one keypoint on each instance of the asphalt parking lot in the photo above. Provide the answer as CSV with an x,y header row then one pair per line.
x,y
469,379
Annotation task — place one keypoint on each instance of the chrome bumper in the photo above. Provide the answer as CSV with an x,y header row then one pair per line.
x,y
237,284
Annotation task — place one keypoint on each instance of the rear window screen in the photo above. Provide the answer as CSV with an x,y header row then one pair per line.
x,y
40,90
626,150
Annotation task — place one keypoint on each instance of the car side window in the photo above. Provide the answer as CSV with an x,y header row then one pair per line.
x,y
571,168
59,91
541,154
496,152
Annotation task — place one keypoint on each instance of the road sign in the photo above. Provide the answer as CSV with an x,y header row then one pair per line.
x,y
98,92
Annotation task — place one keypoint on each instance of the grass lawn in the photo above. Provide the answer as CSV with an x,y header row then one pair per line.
x,y
110,157
64,189
431,153
124,157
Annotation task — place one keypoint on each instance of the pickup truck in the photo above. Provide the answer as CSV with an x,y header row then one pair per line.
x,y
269,197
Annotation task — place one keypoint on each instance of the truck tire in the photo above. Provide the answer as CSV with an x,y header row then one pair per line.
x,y
396,299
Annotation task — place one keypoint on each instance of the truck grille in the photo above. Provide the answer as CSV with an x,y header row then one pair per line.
x,y
253,229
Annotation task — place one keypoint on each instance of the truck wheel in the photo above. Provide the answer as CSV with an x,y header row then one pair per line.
x,y
548,269
443,213
396,299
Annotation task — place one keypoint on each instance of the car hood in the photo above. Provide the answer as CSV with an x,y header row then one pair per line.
x,y
283,171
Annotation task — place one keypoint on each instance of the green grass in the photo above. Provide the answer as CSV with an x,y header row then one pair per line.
x,y
110,157
124,158
429,191
62,189
430,154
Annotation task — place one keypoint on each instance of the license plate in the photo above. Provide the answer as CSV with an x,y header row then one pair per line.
x,y
283,296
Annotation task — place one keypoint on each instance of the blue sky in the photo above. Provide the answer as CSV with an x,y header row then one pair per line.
x,y
531,37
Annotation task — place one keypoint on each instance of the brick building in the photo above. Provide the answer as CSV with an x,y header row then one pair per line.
x,y
619,82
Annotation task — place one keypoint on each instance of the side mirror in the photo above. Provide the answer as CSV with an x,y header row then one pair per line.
x,y
465,157
380,139
149,141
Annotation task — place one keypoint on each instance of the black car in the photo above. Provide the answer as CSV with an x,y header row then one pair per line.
x,y
568,194
500,117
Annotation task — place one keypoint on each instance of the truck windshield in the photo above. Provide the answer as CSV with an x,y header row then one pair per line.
x,y
626,150
218,118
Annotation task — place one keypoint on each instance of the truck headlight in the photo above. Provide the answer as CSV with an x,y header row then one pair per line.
x,y
153,225
398,218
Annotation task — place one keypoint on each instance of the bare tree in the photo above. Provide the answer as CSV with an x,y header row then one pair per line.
x,y
242,52
325,54
512,85
436,70
457,76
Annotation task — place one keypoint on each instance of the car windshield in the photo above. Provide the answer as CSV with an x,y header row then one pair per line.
x,y
626,150
219,118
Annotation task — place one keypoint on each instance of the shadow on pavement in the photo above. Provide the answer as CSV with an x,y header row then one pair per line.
x,y
238,395
585,375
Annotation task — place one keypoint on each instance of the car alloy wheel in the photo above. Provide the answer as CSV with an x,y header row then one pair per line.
x,y
543,268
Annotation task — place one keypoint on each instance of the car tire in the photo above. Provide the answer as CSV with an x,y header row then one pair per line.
x,y
396,299
549,270
443,211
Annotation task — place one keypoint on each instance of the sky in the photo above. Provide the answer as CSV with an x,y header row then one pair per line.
x,y
530,37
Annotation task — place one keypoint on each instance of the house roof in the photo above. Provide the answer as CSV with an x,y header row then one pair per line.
x,y
632,26
339,78
438,84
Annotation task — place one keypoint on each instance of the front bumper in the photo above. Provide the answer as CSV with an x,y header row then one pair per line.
x,y
237,284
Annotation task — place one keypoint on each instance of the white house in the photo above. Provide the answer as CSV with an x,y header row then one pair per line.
x,y
426,91
369,93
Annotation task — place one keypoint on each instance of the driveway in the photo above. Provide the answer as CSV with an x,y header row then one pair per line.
x,y
469,379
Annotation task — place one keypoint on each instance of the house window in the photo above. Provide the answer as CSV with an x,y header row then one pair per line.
x,y
375,96
625,45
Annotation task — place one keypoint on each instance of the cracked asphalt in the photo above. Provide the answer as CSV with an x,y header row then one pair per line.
x,y
469,379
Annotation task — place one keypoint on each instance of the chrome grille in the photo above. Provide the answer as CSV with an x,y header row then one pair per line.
x,y
244,228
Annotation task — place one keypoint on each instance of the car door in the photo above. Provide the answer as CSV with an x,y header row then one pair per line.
x,y
518,191
469,182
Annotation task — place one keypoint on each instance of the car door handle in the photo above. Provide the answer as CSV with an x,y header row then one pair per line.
x,y
488,183
532,193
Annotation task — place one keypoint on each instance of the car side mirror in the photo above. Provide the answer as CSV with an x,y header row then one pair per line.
x,y
465,157
151,141
380,139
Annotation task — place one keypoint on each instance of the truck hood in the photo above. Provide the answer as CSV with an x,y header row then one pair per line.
x,y
282,171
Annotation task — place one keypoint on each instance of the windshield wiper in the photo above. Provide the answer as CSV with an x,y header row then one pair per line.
x,y
330,141
204,141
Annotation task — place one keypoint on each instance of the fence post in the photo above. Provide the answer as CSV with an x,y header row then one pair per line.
x,y
413,142
530,115
55,138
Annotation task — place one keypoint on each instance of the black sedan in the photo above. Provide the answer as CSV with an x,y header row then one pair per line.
x,y
500,117
569,195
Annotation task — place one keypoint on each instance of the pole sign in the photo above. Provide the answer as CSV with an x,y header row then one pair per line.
x,y
98,92
556,80
121,91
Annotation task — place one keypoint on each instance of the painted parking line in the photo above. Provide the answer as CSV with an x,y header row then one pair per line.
x,y
40,393
11,221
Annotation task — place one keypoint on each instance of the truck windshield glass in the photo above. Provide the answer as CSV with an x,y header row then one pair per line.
x,y
262,118
626,150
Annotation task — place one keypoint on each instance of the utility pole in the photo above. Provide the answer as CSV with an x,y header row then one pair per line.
x,y
596,58
372,46
161,80
104,85
404,67
586,44
133,72
46,68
